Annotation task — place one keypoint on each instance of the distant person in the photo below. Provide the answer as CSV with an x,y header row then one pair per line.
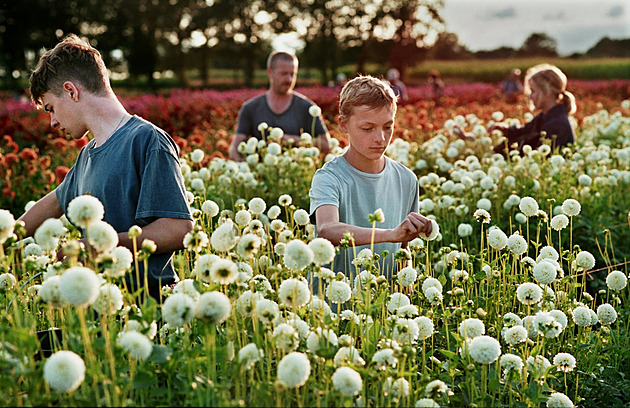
x,y
511,86
545,85
399,87
437,85
342,80
280,107
130,165
351,186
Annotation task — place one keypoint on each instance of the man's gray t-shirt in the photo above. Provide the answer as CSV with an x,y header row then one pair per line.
x,y
357,194
295,120
137,177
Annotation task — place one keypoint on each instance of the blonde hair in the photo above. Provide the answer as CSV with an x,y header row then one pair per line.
x,y
551,79
366,90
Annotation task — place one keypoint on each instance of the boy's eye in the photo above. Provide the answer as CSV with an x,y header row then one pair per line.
x,y
367,129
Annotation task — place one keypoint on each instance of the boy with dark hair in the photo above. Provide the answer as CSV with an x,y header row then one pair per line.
x,y
130,165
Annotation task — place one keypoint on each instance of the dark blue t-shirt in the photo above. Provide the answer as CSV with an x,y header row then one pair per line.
x,y
293,121
136,174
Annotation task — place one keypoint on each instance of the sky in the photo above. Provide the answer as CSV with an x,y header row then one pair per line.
x,y
576,25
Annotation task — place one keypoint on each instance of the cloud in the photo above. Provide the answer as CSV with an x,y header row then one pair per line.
x,y
615,11
555,17
505,13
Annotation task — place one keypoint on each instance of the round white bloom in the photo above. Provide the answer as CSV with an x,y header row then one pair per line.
x,y
425,327
571,207
464,230
544,272
286,337
398,387
102,236
223,271
537,365
559,400
294,293
294,370
585,260
242,217
196,156
559,222
178,309
497,238
564,361
436,388
514,335
397,300
347,381
529,293
273,212
122,261
435,231
136,344
585,180
297,255
338,291
517,244
224,237
582,316
7,225
301,217
314,111
426,403
471,327
64,371
606,313
257,205
560,317
210,208
79,286
285,200
484,204
407,276
528,206
246,302
267,311
548,252
385,358
50,292
48,233
348,355
84,210
249,355
616,280
213,307
248,245
109,300
484,349
323,251
431,282
511,362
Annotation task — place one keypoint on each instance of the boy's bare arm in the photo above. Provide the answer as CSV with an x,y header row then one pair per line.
x,y
47,207
329,227
167,233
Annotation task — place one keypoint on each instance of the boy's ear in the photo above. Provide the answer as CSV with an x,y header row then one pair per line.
x,y
71,90
342,124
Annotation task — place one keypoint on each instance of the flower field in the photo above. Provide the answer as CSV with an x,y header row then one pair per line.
x,y
519,300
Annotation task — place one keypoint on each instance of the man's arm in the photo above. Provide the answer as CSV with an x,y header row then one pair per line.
x,y
323,143
47,207
329,227
167,233
233,151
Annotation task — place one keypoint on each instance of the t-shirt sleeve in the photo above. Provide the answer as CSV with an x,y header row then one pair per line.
x,y
244,124
324,190
162,194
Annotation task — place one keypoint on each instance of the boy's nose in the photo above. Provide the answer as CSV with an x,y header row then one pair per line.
x,y
54,123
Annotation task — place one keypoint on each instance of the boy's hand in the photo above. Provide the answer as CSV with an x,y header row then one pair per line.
x,y
411,227
497,126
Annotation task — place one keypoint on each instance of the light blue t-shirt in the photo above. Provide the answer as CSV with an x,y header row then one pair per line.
x,y
357,194
136,174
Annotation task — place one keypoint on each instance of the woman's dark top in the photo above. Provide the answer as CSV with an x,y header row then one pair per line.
x,y
555,125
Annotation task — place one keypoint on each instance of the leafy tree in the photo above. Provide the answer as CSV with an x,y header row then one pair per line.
x,y
539,45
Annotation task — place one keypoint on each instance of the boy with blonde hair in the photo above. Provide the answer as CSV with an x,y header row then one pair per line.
x,y
351,186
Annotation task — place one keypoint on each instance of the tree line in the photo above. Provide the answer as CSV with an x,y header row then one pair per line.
x,y
142,37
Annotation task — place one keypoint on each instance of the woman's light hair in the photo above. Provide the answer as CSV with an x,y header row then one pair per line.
x,y
550,78
366,91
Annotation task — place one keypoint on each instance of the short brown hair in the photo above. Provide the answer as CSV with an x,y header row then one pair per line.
x,y
71,60
366,91
276,56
